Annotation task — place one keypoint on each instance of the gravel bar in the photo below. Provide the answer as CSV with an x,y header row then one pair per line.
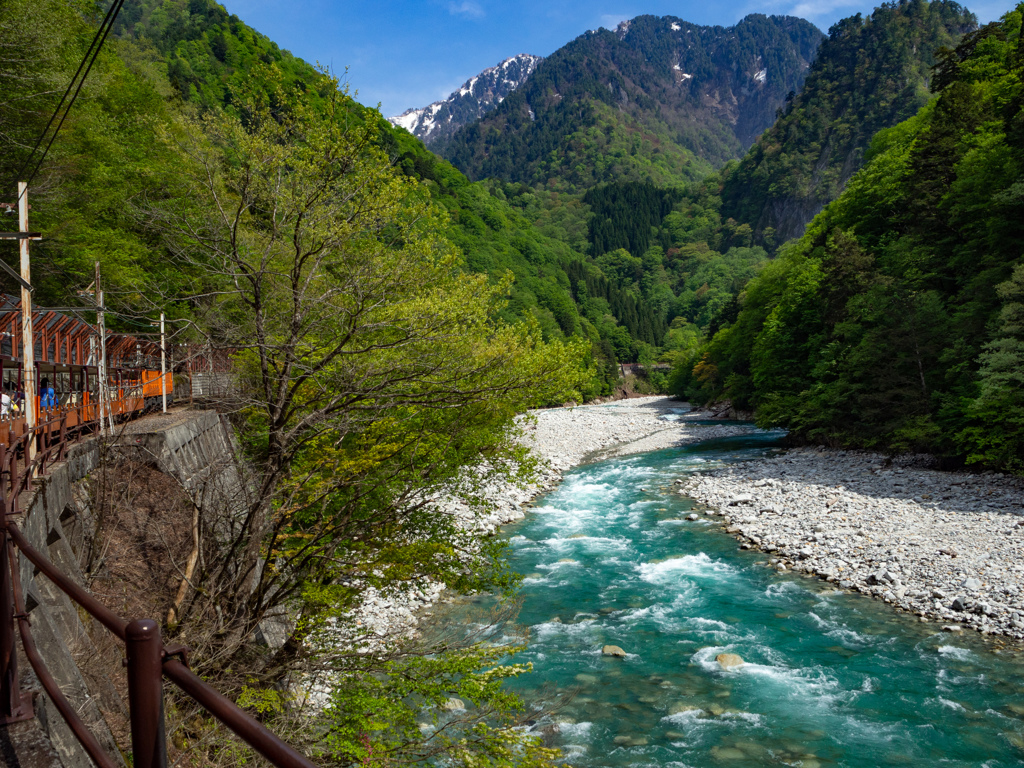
x,y
947,546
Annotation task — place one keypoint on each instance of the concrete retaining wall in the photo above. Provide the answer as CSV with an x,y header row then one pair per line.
x,y
195,447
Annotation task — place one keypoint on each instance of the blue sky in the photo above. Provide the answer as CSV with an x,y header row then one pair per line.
x,y
409,53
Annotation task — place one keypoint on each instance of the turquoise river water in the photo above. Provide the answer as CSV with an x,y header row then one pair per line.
x,y
831,679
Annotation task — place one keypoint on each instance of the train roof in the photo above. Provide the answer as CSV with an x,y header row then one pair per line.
x,y
62,337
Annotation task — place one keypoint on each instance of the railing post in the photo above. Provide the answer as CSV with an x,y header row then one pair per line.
x,y
145,693
14,705
6,484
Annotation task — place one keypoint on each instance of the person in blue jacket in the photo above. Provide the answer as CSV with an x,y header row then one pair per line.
x,y
47,397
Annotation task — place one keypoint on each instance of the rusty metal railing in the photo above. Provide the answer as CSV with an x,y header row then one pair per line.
x,y
149,660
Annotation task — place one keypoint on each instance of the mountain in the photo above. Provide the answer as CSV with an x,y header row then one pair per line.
x,y
869,74
477,96
897,321
658,98
171,58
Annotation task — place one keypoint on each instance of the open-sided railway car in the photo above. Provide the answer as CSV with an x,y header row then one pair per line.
x,y
67,360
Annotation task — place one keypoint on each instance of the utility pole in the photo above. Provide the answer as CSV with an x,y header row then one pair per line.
x,y
104,400
27,334
163,365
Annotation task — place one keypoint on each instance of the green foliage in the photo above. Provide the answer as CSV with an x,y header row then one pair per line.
x,y
868,331
869,74
417,708
1000,398
624,214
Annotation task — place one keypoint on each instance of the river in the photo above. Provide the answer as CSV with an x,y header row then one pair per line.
x,y
830,679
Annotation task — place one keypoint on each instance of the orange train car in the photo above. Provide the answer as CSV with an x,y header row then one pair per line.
x,y
66,361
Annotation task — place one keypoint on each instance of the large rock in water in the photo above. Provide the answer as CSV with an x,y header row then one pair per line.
x,y
729,660
613,650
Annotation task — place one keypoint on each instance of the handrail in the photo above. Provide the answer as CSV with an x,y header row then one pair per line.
x,y
93,607
85,737
148,658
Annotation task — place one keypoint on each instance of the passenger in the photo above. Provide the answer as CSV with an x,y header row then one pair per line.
x,y
5,405
47,397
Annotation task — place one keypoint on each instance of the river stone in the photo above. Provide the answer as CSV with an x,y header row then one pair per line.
x,y
693,516
454,705
971,584
631,741
679,708
729,660
728,753
587,679
754,749
1017,709
613,650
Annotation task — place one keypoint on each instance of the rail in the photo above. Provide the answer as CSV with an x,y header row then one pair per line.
x,y
149,659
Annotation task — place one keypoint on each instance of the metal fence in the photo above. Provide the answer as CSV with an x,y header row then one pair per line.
x,y
149,659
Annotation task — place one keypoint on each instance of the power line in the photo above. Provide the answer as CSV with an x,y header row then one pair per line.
x,y
71,85
87,62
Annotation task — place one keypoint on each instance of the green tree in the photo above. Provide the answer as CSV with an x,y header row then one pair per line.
x,y
373,374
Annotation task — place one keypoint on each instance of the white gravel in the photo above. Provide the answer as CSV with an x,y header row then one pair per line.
x,y
948,546
563,438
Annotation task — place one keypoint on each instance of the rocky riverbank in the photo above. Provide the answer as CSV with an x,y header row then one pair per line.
x,y
562,438
947,546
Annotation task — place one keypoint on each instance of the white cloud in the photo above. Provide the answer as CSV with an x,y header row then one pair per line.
x,y
612,20
467,8
818,9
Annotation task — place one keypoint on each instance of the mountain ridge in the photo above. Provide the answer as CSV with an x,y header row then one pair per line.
x,y
477,96
871,73
657,94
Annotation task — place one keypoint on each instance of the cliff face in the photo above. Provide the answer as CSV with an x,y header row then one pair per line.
x,y
871,73
477,96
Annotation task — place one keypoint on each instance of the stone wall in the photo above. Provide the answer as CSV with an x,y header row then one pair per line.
x,y
195,447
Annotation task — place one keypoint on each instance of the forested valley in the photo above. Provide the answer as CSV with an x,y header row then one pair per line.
x,y
834,249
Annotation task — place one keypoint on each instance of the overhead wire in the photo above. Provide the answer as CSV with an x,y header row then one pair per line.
x,y
74,79
91,54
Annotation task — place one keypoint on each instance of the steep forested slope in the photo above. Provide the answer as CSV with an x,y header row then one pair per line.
x,y
869,74
174,57
897,321
658,99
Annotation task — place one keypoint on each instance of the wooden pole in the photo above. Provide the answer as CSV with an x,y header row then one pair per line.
x,y
27,335
163,364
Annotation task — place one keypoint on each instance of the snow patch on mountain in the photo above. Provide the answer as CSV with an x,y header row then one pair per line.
x,y
476,97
